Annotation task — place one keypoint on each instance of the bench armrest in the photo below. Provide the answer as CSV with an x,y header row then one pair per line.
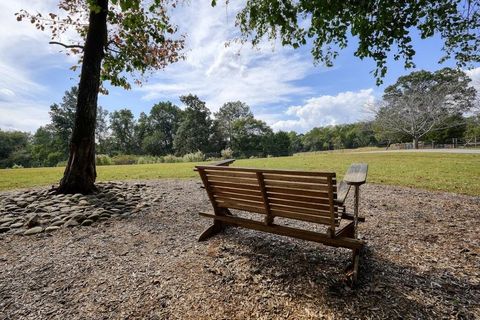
x,y
356,174
226,162
342,192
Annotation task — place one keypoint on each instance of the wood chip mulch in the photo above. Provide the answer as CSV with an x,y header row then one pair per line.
x,y
422,262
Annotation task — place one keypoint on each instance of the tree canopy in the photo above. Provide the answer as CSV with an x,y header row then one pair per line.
x,y
423,101
139,36
377,25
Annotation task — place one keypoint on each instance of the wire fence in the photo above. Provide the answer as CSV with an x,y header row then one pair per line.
x,y
456,143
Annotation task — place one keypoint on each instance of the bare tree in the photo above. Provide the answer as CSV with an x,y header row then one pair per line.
x,y
423,101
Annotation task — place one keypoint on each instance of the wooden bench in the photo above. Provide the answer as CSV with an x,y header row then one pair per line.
x,y
300,195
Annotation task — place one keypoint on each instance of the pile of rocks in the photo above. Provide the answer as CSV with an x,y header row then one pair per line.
x,y
41,210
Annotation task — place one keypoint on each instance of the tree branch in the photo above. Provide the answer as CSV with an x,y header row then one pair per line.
x,y
69,46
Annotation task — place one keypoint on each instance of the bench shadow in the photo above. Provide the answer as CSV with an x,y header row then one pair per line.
x,y
312,272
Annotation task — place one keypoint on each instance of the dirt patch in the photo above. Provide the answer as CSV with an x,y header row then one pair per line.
x,y
422,261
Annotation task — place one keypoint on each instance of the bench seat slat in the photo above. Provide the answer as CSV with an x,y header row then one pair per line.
x,y
236,195
300,204
301,216
236,180
235,185
301,198
250,175
306,179
287,191
294,185
239,200
235,190
323,213
232,204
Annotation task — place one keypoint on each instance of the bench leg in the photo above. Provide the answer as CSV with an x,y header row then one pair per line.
x,y
214,229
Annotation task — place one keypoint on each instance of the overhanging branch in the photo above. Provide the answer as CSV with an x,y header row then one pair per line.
x,y
69,46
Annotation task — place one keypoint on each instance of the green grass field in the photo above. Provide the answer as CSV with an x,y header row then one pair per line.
x,y
458,173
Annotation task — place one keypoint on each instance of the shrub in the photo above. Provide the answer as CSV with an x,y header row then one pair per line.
x,y
54,157
194,157
227,153
103,160
169,158
62,163
124,159
149,159
17,166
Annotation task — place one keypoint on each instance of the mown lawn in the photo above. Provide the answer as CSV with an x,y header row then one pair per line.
x,y
458,173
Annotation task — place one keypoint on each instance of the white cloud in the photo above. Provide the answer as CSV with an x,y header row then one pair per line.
x,y
24,53
345,107
474,74
24,116
218,73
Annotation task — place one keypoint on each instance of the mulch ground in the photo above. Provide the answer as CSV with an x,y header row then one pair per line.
x,y
422,262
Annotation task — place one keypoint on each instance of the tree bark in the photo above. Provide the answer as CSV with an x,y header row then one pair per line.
x,y
415,143
80,173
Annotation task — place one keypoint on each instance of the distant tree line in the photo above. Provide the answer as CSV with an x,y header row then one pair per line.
x,y
421,106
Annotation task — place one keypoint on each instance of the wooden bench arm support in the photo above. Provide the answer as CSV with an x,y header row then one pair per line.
x,y
342,192
356,176
224,163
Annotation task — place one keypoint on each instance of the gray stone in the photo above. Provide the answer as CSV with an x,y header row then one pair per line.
x,y
52,228
4,229
93,216
105,215
77,216
19,231
6,224
87,222
57,223
6,219
65,209
33,221
17,225
22,204
83,203
57,218
33,230
71,223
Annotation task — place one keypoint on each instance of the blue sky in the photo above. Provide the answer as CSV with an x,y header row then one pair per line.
x,y
281,85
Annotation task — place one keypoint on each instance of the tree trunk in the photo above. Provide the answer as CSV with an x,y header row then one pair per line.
x,y
80,173
415,143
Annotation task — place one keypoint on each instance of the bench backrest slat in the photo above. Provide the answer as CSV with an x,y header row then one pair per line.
x,y
300,195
